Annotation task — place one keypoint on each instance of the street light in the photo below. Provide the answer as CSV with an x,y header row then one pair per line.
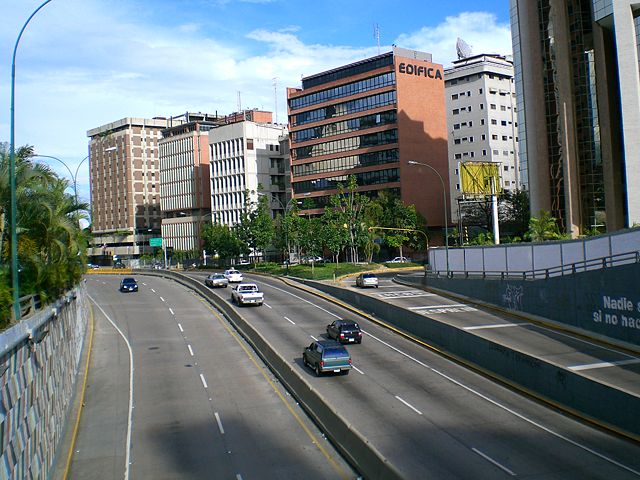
x,y
444,199
12,174
74,177
286,209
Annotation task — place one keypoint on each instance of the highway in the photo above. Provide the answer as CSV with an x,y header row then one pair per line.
x,y
199,403
430,417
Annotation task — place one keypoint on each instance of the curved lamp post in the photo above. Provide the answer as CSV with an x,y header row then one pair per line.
x,y
444,199
74,177
12,175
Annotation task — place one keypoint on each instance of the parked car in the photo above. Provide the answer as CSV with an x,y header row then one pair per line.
x,y
233,275
247,294
243,262
216,280
345,331
399,260
119,265
128,284
327,356
367,280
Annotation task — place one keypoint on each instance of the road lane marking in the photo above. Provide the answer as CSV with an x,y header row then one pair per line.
x,y
426,307
129,417
357,369
303,300
313,338
238,476
144,284
162,299
591,366
491,460
153,290
191,352
497,325
219,423
180,327
171,310
404,294
409,405
290,321
267,305
204,382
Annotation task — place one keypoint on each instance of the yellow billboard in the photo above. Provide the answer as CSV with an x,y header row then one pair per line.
x,y
479,178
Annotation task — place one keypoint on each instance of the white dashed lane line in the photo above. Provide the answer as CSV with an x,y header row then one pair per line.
x,y
153,290
492,461
190,350
180,327
219,422
204,382
290,321
162,299
357,369
267,305
313,338
171,310
409,405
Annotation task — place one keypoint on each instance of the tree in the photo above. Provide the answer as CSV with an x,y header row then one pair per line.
x,y
514,213
351,205
395,214
221,240
544,227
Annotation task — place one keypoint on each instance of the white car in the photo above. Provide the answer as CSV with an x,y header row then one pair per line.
x,y
233,275
399,260
247,294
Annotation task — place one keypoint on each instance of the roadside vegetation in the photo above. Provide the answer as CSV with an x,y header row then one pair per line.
x,y
51,244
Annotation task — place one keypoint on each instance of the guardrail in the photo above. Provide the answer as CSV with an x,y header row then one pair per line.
x,y
354,447
560,270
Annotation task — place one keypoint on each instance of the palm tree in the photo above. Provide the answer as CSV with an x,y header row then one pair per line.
x,y
544,227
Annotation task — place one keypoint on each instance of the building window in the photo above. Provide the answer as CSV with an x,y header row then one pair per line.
x,y
456,141
492,106
249,143
494,121
456,126
456,111
482,106
484,153
454,96
480,91
484,137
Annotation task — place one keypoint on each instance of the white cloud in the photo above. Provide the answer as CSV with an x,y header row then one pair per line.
x,y
479,29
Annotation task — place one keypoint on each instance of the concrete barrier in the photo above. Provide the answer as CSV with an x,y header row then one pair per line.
x,y
365,458
602,404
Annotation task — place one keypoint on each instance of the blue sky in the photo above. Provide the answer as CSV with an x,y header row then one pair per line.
x,y
84,63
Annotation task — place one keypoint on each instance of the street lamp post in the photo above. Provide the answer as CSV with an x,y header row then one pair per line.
x,y
12,174
446,217
74,177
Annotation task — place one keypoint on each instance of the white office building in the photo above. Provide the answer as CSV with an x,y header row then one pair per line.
x,y
245,155
481,119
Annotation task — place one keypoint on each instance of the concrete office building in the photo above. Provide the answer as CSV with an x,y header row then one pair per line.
x,y
482,119
368,119
185,186
578,88
245,155
125,187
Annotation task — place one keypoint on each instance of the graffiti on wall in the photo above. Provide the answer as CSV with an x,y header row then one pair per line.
x,y
512,297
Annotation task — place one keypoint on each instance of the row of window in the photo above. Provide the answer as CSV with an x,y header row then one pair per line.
x,y
229,148
505,153
493,106
470,139
225,184
220,168
492,91
338,128
363,179
346,144
479,76
347,90
346,108
177,146
347,163
345,72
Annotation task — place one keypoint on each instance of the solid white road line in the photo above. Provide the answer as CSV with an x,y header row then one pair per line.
x,y
162,299
219,423
290,321
409,405
204,382
180,327
489,459
129,420
427,307
190,351
497,325
171,310
357,369
591,366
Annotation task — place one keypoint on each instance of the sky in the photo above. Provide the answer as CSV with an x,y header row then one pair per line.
x,y
83,63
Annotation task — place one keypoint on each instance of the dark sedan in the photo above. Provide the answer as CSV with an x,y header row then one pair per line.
x,y
128,284
345,331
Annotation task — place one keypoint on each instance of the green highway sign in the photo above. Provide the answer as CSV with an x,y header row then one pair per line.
x,y
155,242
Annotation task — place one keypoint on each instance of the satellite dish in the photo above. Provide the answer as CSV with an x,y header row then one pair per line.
x,y
463,49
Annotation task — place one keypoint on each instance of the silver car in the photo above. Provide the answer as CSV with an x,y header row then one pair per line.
x,y
367,280
216,280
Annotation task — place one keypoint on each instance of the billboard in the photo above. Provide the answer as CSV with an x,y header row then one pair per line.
x,y
478,178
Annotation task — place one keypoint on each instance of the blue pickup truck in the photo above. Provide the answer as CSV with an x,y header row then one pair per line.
x,y
325,356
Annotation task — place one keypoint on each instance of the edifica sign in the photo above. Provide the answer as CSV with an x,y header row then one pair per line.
x,y
420,70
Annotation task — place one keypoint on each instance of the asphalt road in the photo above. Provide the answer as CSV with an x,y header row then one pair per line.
x,y
199,405
430,417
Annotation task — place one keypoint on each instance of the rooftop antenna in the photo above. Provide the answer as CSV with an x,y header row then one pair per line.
x,y
463,49
239,102
376,35
275,97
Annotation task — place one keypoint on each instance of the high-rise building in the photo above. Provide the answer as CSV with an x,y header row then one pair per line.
x,y
578,90
245,157
369,119
482,119
125,187
184,179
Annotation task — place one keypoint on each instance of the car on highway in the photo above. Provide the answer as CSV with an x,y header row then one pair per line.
x,y
216,280
399,260
233,275
345,331
367,280
325,356
247,294
128,284
119,266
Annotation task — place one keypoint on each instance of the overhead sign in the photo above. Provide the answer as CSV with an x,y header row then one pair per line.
x,y
480,178
155,242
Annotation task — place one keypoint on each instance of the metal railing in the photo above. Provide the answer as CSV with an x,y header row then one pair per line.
x,y
557,271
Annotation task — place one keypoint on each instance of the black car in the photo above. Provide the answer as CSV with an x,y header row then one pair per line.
x,y
327,356
128,284
345,331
